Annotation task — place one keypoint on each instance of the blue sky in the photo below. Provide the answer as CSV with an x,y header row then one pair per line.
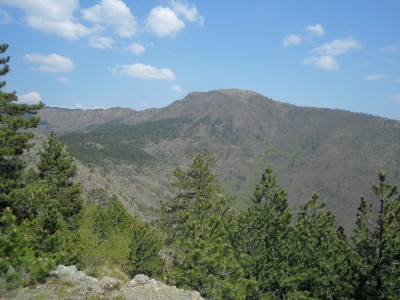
x,y
140,54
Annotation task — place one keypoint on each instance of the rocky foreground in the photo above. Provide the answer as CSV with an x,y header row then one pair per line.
x,y
69,283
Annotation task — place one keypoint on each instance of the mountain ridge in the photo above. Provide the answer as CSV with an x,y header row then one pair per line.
x,y
333,152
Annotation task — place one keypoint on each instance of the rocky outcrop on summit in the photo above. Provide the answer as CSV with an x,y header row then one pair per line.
x,y
69,283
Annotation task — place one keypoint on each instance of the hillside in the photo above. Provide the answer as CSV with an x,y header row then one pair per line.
x,y
132,154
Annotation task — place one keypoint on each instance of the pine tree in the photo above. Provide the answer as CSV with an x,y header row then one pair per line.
x,y
377,242
57,170
144,247
197,220
321,264
262,238
13,117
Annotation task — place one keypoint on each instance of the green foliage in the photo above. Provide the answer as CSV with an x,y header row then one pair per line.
x,y
13,117
262,237
377,242
57,170
38,229
18,256
103,245
321,259
112,237
122,143
22,207
197,219
29,201
144,247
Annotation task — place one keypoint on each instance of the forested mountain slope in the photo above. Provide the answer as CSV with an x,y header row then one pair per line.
x,y
132,154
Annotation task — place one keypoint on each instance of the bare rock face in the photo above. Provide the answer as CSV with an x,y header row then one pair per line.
x,y
66,282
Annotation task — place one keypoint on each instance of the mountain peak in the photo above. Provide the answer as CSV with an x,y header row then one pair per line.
x,y
227,92
237,92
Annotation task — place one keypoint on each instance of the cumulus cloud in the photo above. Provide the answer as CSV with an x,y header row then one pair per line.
x,y
291,40
177,88
391,49
5,17
101,42
50,63
31,97
136,48
62,79
337,47
189,13
163,22
395,99
52,17
315,30
114,13
375,77
324,56
145,72
169,20
327,63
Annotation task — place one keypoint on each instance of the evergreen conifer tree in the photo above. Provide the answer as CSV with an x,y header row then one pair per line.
x,y
321,264
57,170
262,238
197,220
13,117
377,242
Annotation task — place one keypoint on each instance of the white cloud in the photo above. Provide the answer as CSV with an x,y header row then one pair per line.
x,y
189,13
5,17
50,63
324,56
163,22
327,63
316,30
101,42
337,47
98,107
52,17
291,40
62,79
177,88
80,106
136,48
145,72
114,13
375,77
391,49
395,99
31,97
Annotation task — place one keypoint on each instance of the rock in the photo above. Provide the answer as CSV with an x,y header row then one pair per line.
x,y
140,279
74,284
54,274
152,281
71,271
194,295
109,283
